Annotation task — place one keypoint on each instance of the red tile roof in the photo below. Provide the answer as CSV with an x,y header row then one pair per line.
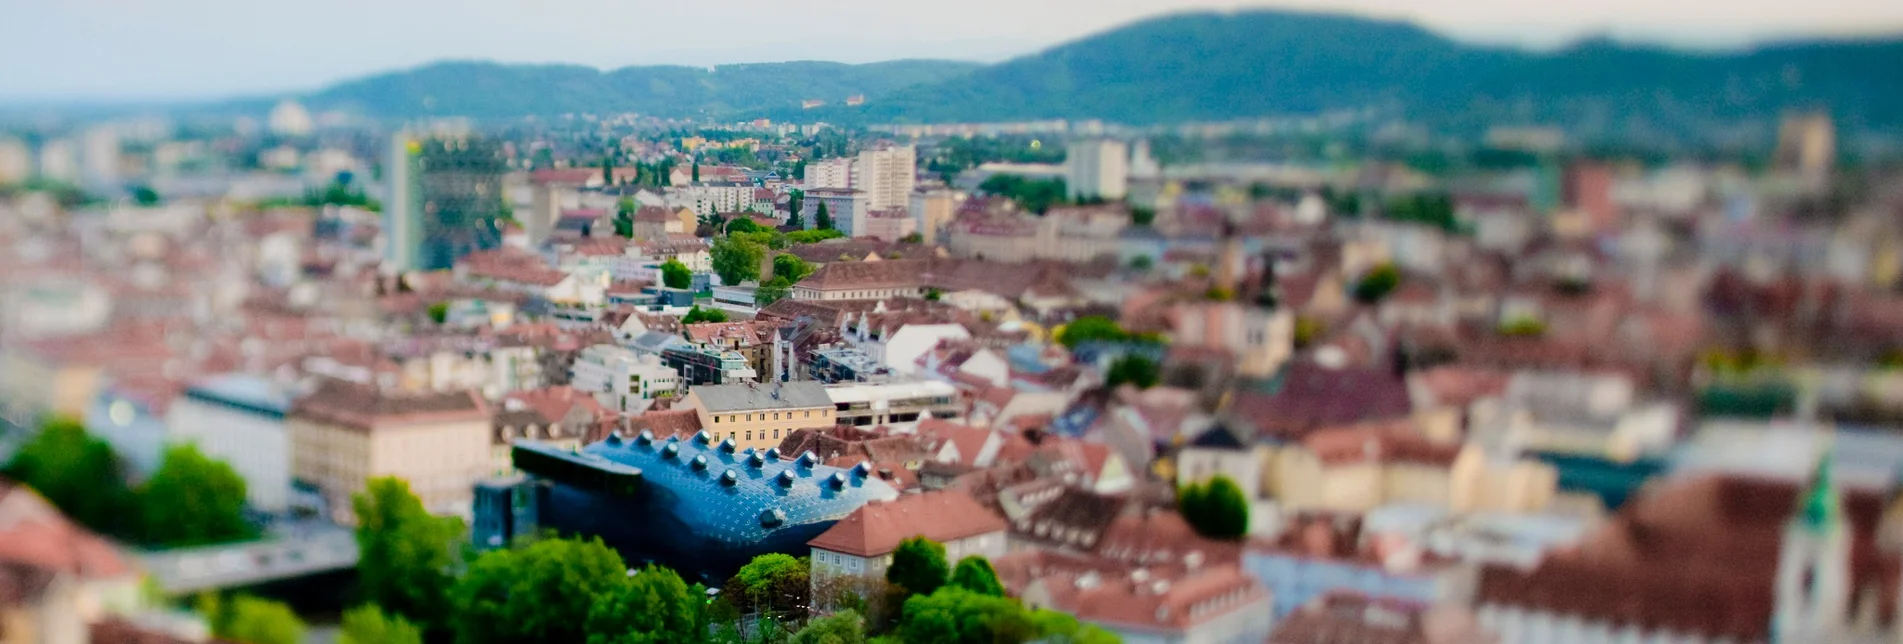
x,y
35,535
365,407
877,528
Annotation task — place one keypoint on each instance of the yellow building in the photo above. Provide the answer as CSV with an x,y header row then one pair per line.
x,y
345,434
757,415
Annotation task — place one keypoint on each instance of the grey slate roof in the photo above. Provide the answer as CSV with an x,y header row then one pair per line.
x,y
751,396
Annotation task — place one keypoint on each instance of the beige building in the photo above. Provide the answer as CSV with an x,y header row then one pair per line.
x,y
1358,468
861,544
932,209
344,434
760,415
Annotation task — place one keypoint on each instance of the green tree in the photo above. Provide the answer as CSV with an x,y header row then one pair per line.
x,y
192,500
743,225
1142,216
367,624
791,267
543,592
698,315
1091,328
1377,284
652,607
252,620
696,171
959,616
1216,508
78,474
1142,263
772,584
771,291
607,171
918,566
813,236
821,218
1035,195
439,312
843,627
145,196
1058,628
405,554
737,261
1134,370
674,274
974,573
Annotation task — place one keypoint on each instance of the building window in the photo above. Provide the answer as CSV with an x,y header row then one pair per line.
x,y
776,434
749,435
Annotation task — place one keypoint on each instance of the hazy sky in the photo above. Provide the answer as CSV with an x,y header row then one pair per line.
x,y
62,49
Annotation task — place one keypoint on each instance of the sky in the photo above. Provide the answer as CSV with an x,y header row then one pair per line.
x,y
192,49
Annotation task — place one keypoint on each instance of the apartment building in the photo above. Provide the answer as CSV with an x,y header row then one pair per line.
x,y
623,380
760,416
898,405
343,434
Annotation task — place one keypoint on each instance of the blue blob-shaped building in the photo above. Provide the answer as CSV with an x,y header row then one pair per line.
x,y
696,505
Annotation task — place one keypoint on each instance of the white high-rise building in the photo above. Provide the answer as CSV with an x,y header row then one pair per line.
x,y
1143,165
16,162
290,119
886,175
100,154
59,161
1097,169
833,174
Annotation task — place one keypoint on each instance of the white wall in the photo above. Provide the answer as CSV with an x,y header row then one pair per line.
x,y
255,445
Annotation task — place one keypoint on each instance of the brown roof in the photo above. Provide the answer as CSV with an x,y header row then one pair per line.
x,y
1161,537
1139,598
1395,441
360,406
1313,396
898,273
1348,618
749,332
671,422
1694,554
119,631
34,534
1074,518
877,528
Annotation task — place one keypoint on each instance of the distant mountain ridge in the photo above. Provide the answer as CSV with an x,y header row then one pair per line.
x,y
496,90
1208,67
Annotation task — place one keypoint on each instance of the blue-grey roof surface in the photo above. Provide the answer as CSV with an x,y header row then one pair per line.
x,y
803,394
242,390
739,508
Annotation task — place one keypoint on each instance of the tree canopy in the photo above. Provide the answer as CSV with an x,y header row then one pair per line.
x,y
958,616
543,592
251,620
78,474
367,624
406,556
974,573
918,566
1091,328
674,274
843,627
1377,284
771,291
1035,195
813,236
822,219
772,584
791,267
737,260
1216,508
698,315
652,607
1134,370
192,500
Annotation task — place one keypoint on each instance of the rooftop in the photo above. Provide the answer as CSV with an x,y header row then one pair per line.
x,y
752,396
877,528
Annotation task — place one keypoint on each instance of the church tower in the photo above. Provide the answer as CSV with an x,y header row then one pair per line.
x,y
1813,576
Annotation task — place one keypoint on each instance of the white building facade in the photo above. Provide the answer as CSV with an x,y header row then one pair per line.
x,y
623,380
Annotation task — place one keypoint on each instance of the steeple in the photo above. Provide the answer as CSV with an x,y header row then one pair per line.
x,y
1821,508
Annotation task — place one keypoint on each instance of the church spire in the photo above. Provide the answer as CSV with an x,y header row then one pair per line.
x,y
1821,508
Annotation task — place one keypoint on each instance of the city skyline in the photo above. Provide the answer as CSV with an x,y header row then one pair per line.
x,y
222,48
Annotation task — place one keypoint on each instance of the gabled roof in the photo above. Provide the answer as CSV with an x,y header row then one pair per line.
x,y
877,528
359,406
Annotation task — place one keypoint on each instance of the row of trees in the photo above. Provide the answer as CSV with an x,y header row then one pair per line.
x,y
553,589
190,500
